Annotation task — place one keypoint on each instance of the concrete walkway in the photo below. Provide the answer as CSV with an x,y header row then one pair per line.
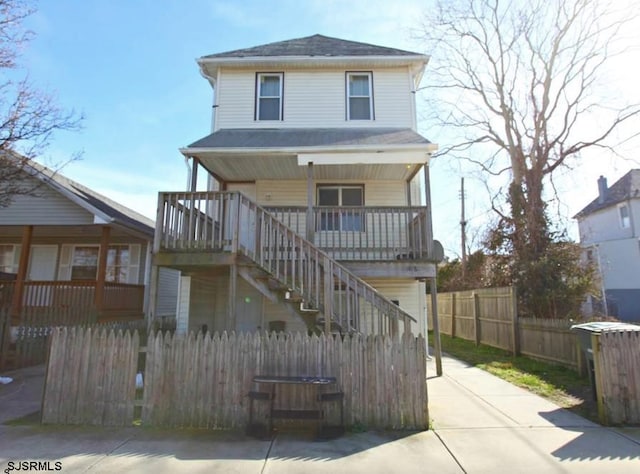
x,y
481,425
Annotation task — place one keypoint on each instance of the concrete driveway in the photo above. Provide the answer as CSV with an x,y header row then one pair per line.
x,y
481,424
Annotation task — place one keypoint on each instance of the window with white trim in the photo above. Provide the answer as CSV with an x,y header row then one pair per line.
x,y
84,263
359,96
6,258
625,220
269,87
344,202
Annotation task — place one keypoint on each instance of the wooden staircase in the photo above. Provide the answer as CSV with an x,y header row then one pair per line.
x,y
287,268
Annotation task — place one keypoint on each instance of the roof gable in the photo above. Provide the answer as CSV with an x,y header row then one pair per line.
x,y
627,187
316,45
95,203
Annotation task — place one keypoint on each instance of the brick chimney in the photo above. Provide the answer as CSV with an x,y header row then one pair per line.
x,y
602,189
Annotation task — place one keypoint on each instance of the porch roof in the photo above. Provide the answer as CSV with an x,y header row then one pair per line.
x,y
362,153
302,138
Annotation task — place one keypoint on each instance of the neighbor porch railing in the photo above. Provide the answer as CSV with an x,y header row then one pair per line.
x,y
46,303
229,221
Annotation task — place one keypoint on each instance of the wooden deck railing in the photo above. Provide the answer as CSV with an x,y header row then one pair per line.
x,y
71,302
229,221
362,233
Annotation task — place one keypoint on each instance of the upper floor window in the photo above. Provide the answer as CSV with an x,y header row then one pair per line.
x,y
269,96
336,197
359,96
625,220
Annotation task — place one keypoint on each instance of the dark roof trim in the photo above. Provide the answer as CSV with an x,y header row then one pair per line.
x,y
315,45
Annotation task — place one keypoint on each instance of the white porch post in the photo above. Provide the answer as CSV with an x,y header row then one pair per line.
x,y
310,219
182,309
432,281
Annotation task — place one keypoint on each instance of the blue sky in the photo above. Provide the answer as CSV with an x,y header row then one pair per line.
x,y
129,67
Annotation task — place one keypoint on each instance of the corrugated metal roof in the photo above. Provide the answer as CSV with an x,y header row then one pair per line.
x,y
625,188
309,137
316,45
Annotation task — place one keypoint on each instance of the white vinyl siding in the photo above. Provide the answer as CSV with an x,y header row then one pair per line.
x,y
410,294
315,98
167,292
47,207
294,193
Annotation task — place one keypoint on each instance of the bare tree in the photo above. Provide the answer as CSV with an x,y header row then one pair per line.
x,y
28,117
517,83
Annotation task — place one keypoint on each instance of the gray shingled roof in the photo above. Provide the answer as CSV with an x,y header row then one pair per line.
x,y
316,45
91,200
309,137
625,188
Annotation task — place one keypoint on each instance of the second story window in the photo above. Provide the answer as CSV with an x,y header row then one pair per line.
x,y
625,220
359,96
269,96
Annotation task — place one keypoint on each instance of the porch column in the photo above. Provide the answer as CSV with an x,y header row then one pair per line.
x,y
310,220
194,174
432,281
233,292
152,303
18,289
183,306
102,269
436,325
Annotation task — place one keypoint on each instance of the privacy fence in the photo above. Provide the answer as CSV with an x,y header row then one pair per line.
x,y
490,316
203,381
617,374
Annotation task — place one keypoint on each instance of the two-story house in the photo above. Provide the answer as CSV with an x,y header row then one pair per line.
x,y
315,217
610,234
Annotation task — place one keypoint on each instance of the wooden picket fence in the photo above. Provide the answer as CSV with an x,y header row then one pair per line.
x,y
617,373
490,316
203,381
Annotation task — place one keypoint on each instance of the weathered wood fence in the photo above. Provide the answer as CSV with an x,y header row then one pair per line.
x,y
489,316
617,374
25,346
203,381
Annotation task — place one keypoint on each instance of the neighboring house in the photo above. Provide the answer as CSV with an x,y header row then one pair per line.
x,y
52,259
610,234
314,218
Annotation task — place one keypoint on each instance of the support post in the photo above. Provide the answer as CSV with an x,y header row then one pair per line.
x,y
514,323
476,317
453,315
18,290
436,325
310,219
153,296
194,174
102,269
233,291
597,375
328,295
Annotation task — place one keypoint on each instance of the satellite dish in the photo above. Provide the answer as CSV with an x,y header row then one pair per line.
x,y
438,251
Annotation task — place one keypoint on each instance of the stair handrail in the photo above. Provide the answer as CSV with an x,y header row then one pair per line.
x,y
336,269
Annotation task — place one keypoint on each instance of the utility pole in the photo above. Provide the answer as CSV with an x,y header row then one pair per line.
x,y
463,232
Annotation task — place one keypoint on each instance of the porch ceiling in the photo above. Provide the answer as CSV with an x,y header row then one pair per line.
x,y
250,167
